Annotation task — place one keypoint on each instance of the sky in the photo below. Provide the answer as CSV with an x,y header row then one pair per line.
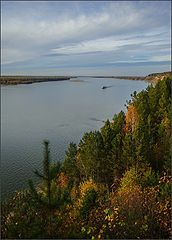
x,y
85,37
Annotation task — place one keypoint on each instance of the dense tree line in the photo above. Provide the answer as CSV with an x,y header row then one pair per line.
x,y
138,138
114,184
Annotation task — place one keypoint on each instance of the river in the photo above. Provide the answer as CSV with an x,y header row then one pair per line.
x,y
58,111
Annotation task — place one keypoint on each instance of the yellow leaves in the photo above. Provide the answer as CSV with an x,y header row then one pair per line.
x,y
109,224
145,227
129,191
109,218
86,186
116,209
129,180
163,214
103,226
121,223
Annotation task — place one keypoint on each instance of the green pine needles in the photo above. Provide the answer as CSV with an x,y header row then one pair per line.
x,y
46,177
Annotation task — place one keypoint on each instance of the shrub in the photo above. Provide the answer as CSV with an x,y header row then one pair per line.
x,y
88,202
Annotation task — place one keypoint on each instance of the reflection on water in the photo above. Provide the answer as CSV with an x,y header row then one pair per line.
x,y
58,111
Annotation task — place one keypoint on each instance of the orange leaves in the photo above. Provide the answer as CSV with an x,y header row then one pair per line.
x,y
131,118
62,180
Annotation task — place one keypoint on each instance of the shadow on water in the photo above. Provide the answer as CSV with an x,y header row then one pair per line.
x,y
104,87
97,120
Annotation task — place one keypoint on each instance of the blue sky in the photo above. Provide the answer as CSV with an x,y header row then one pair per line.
x,y
85,37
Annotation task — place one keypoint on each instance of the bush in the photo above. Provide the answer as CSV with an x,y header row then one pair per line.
x,y
88,202
22,217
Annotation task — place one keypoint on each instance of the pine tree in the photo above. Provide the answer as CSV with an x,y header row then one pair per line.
x,y
69,166
49,173
91,159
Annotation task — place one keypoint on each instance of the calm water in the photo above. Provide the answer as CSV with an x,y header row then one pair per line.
x,y
58,111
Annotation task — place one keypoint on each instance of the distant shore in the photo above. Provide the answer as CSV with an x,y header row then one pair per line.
x,y
13,80
122,77
153,77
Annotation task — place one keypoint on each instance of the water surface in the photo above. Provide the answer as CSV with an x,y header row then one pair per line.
x,y
59,111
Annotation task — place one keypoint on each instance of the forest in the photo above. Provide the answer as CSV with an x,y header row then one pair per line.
x,y
115,184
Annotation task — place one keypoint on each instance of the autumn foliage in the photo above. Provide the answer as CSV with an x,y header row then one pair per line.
x,y
131,119
115,184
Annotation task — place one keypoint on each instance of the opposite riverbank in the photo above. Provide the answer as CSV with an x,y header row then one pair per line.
x,y
13,80
153,77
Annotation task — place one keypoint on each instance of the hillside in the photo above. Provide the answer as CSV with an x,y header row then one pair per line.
x,y
157,76
115,184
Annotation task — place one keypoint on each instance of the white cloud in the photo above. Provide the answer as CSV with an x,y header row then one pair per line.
x,y
108,44
13,55
117,26
159,58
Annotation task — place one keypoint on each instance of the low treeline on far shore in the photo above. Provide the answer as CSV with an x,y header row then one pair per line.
x,y
153,77
13,80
